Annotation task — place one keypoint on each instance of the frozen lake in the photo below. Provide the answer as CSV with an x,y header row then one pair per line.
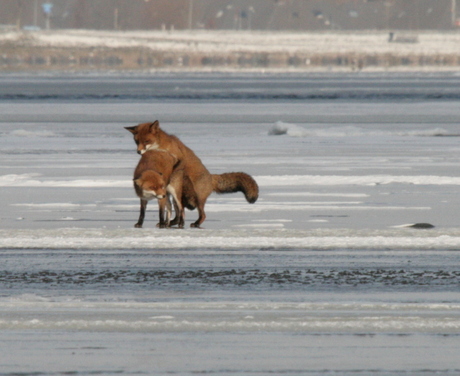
x,y
322,275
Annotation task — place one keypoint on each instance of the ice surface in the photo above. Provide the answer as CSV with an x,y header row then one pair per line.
x,y
322,275
354,174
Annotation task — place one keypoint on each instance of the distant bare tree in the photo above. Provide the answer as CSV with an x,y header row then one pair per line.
x,y
19,14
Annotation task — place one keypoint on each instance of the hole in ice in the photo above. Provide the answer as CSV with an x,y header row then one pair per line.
x,y
420,225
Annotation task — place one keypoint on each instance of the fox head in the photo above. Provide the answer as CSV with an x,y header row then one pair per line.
x,y
145,136
150,185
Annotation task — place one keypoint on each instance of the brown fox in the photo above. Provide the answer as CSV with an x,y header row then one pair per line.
x,y
198,183
156,177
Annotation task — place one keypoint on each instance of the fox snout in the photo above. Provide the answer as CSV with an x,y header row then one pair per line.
x,y
148,195
141,149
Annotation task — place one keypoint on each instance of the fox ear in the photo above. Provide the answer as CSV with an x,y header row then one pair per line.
x,y
133,130
155,126
137,182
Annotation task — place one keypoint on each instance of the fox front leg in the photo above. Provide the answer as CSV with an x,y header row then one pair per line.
x,y
180,216
162,204
141,214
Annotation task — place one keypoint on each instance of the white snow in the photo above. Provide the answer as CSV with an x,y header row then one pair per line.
x,y
34,180
293,130
370,42
256,236
332,180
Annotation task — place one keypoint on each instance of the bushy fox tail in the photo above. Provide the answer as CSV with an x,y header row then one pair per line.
x,y
231,182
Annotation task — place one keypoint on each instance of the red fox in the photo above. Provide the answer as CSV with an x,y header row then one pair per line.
x,y
198,183
156,177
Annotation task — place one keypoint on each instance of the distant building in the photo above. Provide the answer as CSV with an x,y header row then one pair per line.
x,y
301,15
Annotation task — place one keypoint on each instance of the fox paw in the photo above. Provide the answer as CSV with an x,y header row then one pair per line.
x,y
137,225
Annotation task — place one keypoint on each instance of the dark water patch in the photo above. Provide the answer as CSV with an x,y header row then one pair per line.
x,y
242,96
239,277
422,226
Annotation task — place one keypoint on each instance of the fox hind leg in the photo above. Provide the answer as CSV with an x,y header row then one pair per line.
x,y
175,190
180,213
179,209
201,216
168,211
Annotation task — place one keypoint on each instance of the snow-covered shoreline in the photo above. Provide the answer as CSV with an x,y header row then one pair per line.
x,y
228,50
374,42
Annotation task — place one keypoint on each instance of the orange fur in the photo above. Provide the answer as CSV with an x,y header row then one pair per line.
x,y
198,183
156,177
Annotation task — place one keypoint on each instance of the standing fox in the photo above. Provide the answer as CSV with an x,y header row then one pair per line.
x,y
198,183
156,177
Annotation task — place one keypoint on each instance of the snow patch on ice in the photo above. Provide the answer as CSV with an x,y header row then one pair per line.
x,y
365,180
261,225
299,206
281,128
273,220
32,180
294,130
208,317
236,238
343,323
313,194
26,133
51,205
